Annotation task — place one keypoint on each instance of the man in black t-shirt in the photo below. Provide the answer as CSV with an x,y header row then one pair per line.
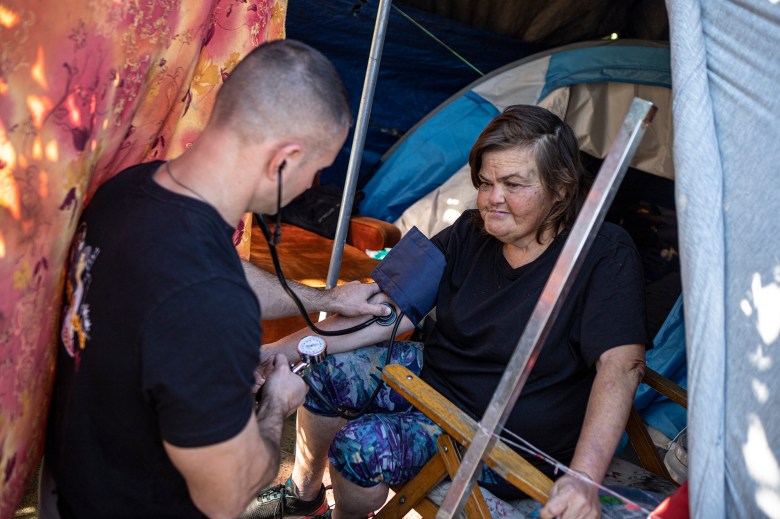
x,y
152,412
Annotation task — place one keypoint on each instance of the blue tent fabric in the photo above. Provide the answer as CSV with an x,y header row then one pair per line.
x,y
427,158
639,65
667,357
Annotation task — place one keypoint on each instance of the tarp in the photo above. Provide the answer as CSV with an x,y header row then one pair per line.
x,y
416,73
726,74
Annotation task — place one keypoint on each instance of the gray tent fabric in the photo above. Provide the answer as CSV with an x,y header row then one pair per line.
x,y
726,78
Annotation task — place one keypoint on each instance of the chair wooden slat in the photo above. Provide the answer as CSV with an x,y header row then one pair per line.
x,y
643,445
410,494
476,507
506,462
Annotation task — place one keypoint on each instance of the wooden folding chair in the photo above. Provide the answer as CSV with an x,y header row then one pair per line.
x,y
459,429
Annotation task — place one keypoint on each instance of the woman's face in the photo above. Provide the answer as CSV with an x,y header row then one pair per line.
x,y
511,198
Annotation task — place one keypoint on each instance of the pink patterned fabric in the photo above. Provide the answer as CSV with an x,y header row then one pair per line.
x,y
88,87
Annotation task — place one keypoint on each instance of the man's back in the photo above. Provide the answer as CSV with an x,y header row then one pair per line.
x,y
160,336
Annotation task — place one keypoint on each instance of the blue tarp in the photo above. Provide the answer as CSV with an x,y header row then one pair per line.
x,y
667,358
416,74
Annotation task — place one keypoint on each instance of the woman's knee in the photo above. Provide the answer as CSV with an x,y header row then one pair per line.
x,y
388,449
361,453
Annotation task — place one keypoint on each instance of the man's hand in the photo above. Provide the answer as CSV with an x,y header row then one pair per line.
x,y
572,498
351,299
262,370
280,386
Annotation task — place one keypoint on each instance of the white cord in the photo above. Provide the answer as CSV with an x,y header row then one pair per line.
x,y
534,451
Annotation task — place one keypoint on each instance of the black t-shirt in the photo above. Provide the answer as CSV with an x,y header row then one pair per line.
x,y
160,337
483,305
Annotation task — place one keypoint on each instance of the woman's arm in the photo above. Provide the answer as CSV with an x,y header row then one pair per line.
x,y
619,372
341,343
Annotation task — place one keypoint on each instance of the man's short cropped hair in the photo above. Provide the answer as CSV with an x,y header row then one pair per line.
x,y
283,87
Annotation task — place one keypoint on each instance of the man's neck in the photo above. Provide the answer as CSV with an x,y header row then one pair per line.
x,y
209,172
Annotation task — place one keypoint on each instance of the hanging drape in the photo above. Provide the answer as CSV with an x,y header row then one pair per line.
x,y
725,76
88,87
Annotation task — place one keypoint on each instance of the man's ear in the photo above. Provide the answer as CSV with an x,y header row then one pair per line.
x,y
283,157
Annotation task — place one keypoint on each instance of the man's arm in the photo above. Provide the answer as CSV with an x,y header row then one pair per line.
x,y
223,477
373,334
620,370
347,299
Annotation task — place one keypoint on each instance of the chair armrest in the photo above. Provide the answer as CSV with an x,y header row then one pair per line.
x,y
666,387
506,462
369,233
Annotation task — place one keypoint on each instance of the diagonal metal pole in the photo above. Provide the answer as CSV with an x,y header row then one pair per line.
x,y
358,141
612,171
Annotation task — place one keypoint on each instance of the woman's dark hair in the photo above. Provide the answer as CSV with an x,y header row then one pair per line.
x,y
554,148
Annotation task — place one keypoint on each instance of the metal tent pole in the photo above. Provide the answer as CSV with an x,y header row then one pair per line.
x,y
358,142
612,171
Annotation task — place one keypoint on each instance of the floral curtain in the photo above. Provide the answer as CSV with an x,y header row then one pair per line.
x,y
88,87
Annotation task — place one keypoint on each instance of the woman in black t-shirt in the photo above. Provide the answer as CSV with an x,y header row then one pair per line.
x,y
526,168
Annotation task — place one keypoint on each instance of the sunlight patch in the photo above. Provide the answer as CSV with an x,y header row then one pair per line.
x,y
765,300
759,458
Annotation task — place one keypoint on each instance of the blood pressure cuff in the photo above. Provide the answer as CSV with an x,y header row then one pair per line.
x,y
410,274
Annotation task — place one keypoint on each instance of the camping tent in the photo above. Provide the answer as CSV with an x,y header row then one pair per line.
x,y
589,85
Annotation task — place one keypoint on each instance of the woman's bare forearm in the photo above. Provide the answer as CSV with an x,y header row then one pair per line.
x,y
338,344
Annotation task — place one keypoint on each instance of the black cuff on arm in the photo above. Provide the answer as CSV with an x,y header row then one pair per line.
x,y
410,274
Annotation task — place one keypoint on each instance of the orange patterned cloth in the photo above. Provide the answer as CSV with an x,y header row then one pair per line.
x,y
87,88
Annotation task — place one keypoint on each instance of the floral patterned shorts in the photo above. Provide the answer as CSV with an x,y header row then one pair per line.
x,y
392,441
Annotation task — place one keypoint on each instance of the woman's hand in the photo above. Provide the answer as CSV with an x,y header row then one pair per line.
x,y
572,498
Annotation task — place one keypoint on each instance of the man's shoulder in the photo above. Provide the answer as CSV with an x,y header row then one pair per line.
x,y
128,176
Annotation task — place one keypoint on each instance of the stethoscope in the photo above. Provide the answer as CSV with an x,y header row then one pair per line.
x,y
312,350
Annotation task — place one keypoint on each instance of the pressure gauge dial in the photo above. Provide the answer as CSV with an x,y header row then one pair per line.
x,y
312,350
